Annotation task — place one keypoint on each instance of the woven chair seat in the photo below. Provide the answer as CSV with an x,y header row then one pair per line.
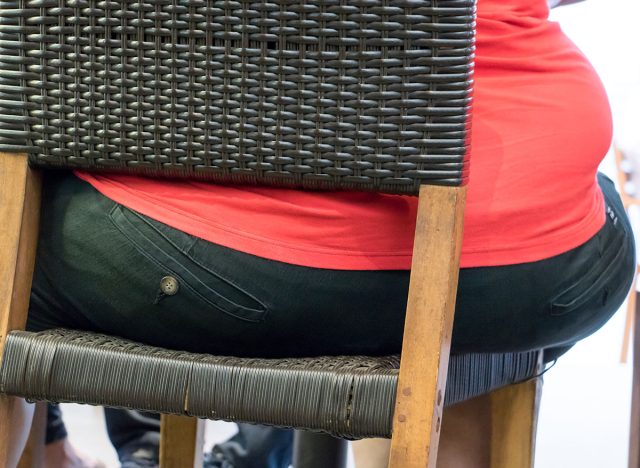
x,y
346,396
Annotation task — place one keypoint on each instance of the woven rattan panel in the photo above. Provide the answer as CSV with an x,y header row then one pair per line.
x,y
347,94
346,396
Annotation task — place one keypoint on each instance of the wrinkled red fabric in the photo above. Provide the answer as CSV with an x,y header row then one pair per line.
x,y
541,125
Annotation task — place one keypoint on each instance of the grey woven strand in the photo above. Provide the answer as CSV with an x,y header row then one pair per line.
x,y
337,94
347,396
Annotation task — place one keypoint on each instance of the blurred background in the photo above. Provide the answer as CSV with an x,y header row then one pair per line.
x,y
586,398
584,419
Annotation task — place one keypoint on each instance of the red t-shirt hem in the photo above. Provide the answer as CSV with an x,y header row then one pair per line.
x,y
272,249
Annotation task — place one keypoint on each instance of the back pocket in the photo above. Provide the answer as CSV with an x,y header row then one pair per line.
x,y
168,249
590,288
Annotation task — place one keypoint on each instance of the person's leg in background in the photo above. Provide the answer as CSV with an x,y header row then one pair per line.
x,y
136,435
56,430
59,452
253,446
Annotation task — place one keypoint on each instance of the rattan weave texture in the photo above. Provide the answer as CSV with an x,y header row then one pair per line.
x,y
347,396
341,94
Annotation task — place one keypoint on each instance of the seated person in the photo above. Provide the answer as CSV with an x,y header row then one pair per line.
x,y
547,254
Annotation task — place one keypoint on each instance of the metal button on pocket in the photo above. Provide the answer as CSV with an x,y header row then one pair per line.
x,y
169,285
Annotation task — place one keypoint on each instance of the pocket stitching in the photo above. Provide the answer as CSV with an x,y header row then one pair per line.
x,y
190,257
584,296
140,249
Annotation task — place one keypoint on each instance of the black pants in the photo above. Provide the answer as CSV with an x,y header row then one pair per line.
x,y
100,267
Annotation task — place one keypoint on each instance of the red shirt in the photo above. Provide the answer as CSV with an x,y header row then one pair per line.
x,y
541,125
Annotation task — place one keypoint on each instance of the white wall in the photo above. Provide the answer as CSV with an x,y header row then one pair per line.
x,y
584,421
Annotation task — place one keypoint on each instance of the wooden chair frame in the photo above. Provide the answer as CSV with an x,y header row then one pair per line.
x,y
431,301
425,353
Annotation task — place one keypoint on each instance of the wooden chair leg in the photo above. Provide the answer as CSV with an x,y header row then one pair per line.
x,y
428,325
634,433
630,318
514,415
19,216
181,441
33,455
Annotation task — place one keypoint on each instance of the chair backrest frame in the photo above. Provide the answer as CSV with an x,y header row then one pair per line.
x,y
321,94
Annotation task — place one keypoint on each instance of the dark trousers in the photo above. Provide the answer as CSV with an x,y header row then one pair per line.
x,y
100,267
